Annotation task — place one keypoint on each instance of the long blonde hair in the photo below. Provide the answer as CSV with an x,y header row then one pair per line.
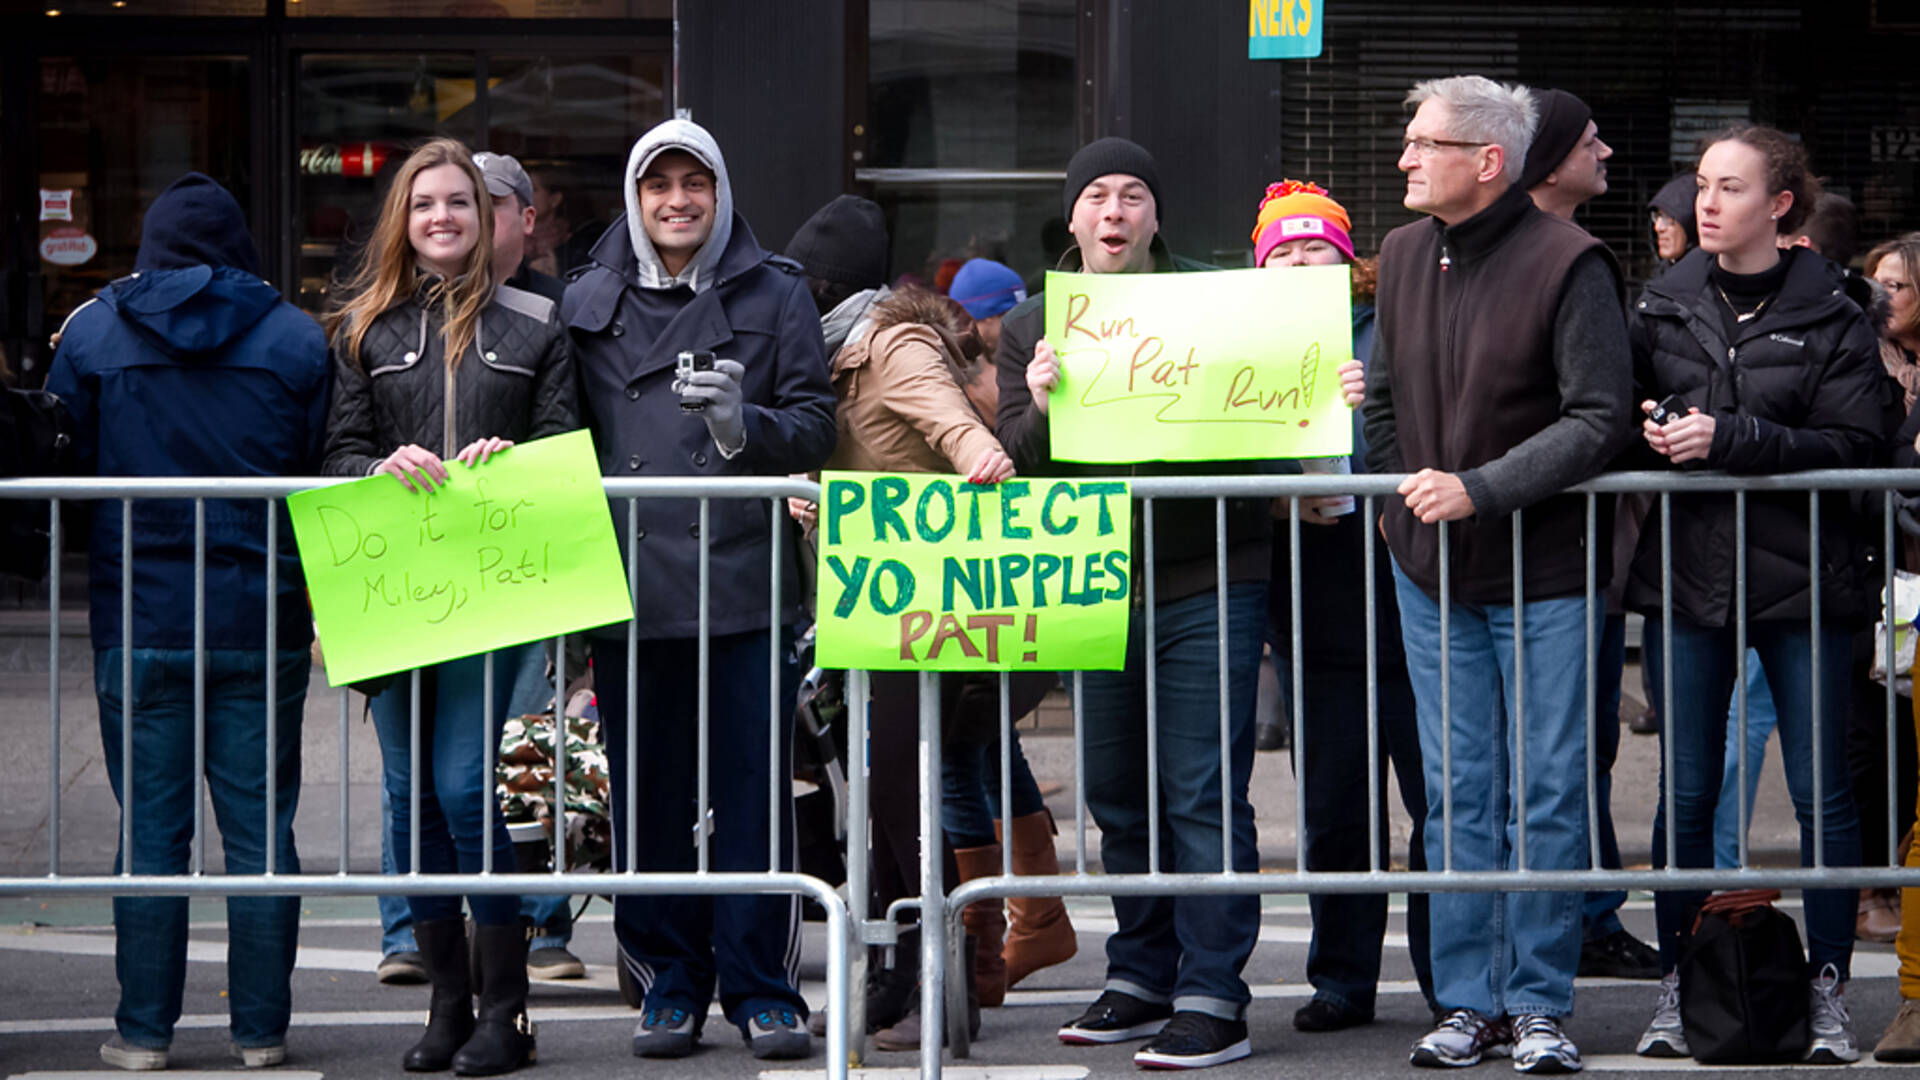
x,y
386,275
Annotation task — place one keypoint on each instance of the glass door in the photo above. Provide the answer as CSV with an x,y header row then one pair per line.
x,y
570,119
111,133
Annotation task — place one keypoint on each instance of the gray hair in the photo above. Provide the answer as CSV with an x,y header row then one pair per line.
x,y
1485,111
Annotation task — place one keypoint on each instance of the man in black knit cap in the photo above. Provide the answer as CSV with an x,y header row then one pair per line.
x,y
1566,162
1566,167
1173,962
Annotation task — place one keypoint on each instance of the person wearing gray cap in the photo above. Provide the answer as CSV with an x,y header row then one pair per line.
x,y
513,222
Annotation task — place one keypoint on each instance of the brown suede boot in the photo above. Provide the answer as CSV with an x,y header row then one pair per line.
x,y
1039,933
985,925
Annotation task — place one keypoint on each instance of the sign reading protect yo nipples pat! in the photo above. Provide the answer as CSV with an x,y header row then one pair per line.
x,y
931,572
519,549
1235,364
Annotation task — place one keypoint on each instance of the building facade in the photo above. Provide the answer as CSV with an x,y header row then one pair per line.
x,y
957,115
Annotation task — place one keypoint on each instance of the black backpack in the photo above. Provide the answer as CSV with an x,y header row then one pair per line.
x,y
36,439
1743,983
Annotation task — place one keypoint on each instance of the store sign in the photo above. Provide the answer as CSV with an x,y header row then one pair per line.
x,y
56,205
68,247
1284,29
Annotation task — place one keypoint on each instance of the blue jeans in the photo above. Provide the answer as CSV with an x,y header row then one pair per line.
x,y
150,932
552,916
1600,912
970,790
1761,720
1703,663
1186,949
454,787
1504,952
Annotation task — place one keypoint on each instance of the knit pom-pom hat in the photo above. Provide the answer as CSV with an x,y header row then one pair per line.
x,y
1293,210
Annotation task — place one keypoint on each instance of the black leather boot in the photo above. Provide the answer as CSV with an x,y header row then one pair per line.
x,y
443,948
502,1035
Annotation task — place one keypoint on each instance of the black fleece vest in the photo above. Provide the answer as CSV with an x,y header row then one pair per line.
x,y
1467,316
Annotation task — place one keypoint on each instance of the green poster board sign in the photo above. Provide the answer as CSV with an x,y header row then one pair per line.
x,y
1284,29
519,549
1220,366
931,572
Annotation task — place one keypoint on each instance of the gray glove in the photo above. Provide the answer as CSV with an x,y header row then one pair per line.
x,y
719,391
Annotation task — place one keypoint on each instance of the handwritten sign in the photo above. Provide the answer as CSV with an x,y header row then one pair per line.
x,y
932,572
1200,367
519,549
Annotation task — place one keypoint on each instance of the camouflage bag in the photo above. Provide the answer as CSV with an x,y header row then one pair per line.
x,y
525,777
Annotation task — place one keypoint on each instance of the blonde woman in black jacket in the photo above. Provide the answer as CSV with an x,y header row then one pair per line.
x,y
434,361
1766,367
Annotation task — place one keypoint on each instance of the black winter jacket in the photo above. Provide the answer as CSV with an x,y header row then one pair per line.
x,y
1800,387
515,382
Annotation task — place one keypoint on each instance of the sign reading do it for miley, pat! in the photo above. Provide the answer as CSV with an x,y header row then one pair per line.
x,y
519,549
925,571
1234,364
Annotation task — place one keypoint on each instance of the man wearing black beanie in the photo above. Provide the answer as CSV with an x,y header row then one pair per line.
x,y
1566,162
1173,962
1566,166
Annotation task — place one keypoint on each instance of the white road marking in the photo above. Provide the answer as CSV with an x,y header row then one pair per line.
x,y
1637,1064
958,1072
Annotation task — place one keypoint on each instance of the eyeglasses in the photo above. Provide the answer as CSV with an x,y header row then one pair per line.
x,y
1894,287
1662,218
1426,148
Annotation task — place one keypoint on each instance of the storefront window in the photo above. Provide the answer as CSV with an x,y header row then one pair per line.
x,y
113,133
569,119
482,9
970,112
56,9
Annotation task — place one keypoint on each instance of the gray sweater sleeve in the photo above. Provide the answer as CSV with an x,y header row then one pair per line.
x,y
1594,366
1376,408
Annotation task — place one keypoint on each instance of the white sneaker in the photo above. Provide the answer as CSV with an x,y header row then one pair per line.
x,y
1462,1038
1832,1039
1539,1046
259,1057
1665,1037
121,1055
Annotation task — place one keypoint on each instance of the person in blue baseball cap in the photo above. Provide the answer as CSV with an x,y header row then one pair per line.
x,y
987,290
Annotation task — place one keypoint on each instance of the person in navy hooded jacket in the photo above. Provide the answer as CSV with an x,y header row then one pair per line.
x,y
194,366
682,272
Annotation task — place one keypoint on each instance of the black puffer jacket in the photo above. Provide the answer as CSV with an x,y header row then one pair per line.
x,y
515,382
1800,387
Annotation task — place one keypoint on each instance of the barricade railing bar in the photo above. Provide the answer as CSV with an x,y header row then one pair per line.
x,y
851,924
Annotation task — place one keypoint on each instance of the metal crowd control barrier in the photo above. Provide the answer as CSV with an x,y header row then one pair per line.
x,y
850,925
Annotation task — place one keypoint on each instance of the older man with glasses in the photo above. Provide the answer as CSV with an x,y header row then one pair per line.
x,y
1502,376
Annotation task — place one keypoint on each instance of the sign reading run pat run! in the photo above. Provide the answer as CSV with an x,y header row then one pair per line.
x,y
519,549
923,571
1200,367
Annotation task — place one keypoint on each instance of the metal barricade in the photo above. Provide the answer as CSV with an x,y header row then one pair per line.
x,y
344,881
1880,486
850,925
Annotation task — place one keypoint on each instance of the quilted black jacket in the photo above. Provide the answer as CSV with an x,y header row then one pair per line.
x,y
516,382
1801,386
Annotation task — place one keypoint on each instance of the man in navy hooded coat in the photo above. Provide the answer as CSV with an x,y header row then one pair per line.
x,y
194,366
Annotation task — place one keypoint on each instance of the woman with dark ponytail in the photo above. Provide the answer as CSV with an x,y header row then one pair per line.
x,y
1750,359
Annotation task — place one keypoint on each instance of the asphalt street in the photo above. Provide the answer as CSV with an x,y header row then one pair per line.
x,y
57,988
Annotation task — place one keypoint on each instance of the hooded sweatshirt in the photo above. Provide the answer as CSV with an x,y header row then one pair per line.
x,y
194,366
687,136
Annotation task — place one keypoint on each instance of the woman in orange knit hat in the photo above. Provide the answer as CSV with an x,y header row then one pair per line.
x,y
1301,225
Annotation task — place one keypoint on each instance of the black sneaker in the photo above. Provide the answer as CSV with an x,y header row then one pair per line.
x,y
1116,1017
1619,955
1323,1015
665,1031
1193,1040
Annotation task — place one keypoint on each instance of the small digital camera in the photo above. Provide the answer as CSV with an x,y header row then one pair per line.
x,y
691,360
1670,408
